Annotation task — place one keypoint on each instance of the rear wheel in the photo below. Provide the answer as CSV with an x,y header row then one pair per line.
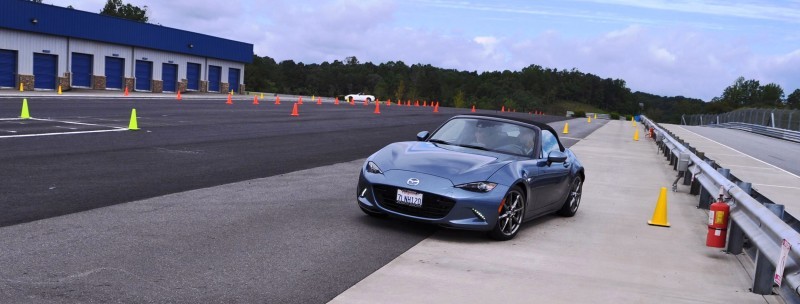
x,y
369,100
509,220
573,199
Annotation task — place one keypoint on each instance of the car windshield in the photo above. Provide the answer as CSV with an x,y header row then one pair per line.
x,y
485,134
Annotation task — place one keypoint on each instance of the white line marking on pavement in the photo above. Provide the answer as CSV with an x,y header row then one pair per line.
x,y
573,138
751,167
789,187
10,118
74,122
790,173
63,127
62,133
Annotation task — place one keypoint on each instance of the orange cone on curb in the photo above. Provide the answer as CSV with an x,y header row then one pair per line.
x,y
277,100
126,91
336,101
660,214
319,100
436,108
473,109
503,109
300,100
408,103
377,108
424,103
399,102
230,99
255,100
294,110
416,103
178,97
389,102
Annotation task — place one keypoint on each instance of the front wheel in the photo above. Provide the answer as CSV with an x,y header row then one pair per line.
x,y
509,220
573,199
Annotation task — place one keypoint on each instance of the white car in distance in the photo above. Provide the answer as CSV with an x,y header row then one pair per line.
x,y
359,97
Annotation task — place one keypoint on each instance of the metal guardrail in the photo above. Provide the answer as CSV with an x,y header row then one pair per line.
x,y
749,218
776,118
758,129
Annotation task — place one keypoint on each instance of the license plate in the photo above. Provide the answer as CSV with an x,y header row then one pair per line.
x,y
409,198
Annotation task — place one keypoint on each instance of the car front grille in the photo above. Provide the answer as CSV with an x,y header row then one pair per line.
x,y
433,206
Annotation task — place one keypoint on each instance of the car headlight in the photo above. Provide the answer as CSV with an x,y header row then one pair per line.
x,y
373,168
478,186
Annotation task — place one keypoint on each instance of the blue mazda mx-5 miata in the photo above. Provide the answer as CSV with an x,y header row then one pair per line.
x,y
476,172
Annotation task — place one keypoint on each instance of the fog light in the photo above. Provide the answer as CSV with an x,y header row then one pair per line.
x,y
363,192
479,214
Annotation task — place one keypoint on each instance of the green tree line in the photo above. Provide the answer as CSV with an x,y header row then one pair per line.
x,y
534,88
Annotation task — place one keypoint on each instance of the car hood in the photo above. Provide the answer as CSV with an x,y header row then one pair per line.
x,y
458,164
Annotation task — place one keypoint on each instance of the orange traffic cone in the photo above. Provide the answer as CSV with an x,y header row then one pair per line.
x,y
399,102
473,109
230,100
126,91
255,100
408,103
389,102
503,109
294,110
319,100
178,97
377,108
336,101
300,100
425,103
416,103
436,108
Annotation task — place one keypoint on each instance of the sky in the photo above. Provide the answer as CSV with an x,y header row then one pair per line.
x,y
692,48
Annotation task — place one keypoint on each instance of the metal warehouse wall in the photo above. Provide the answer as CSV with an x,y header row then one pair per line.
x,y
26,44
225,66
158,58
101,51
54,20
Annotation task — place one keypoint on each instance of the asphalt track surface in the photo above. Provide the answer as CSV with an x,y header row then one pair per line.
x,y
312,252
783,154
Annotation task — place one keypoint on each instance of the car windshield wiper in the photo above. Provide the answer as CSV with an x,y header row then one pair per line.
x,y
439,141
474,147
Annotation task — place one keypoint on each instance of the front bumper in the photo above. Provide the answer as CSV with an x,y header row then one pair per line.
x,y
470,210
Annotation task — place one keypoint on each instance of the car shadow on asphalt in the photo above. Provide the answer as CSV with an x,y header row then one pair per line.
x,y
466,236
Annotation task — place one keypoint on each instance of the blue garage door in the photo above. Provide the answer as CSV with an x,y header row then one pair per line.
x,y
214,78
169,74
115,67
81,70
8,68
233,79
44,71
193,76
144,74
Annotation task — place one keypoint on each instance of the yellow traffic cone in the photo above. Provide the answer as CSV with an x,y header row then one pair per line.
x,y
589,119
636,135
262,95
25,114
566,128
59,90
660,214
133,126
21,87
633,122
595,115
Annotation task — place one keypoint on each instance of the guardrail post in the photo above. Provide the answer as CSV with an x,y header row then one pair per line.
x,y
762,282
705,197
735,233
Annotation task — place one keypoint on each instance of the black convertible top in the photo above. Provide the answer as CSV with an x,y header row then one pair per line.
x,y
542,126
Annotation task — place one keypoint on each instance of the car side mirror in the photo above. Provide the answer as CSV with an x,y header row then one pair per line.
x,y
422,136
556,157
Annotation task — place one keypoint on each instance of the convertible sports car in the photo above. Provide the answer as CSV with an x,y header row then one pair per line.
x,y
475,172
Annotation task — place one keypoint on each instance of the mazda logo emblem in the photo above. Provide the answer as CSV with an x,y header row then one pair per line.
x,y
412,182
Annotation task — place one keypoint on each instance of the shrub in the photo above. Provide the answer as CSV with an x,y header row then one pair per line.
x,y
579,114
614,116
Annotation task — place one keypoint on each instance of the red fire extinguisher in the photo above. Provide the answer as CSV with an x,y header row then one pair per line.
x,y
717,224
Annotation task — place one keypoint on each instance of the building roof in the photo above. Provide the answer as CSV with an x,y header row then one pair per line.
x,y
60,21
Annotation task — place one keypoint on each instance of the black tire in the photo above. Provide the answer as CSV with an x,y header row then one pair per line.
x,y
369,100
573,201
373,214
511,215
